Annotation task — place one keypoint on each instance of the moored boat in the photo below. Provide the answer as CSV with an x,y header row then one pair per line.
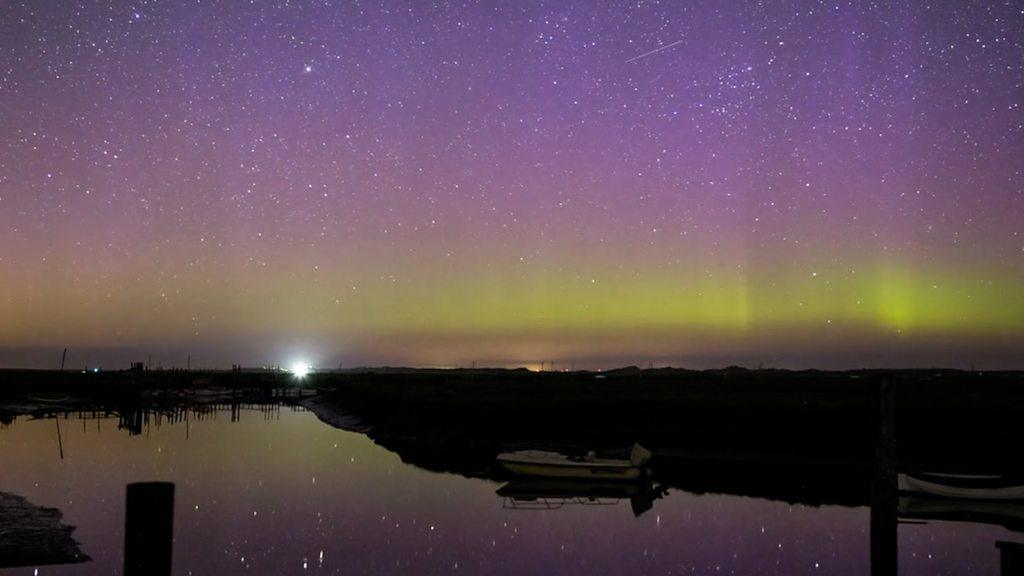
x,y
49,398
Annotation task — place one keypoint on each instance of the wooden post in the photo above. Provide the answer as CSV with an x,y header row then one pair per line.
x,y
1011,558
884,496
149,529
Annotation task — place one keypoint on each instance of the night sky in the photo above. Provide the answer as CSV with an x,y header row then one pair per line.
x,y
796,184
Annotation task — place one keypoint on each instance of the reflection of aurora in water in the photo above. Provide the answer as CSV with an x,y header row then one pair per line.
x,y
273,489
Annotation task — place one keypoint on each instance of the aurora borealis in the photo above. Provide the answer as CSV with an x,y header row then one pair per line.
x,y
829,184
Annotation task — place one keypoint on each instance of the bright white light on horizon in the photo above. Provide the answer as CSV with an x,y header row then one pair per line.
x,y
300,369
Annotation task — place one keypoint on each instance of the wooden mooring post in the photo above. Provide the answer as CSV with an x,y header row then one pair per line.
x,y
884,488
1011,558
149,529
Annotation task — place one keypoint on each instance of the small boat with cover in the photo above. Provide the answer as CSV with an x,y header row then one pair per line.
x,y
550,464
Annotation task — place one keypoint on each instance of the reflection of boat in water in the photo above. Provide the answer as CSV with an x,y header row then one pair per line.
x,y
557,465
1008,514
552,494
985,499
978,487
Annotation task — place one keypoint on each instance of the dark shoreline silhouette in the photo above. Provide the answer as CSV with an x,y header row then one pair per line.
x,y
33,535
807,436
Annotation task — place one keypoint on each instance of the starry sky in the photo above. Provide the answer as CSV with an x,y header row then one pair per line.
x,y
826,184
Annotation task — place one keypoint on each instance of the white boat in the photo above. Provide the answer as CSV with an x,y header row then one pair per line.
x,y
556,465
976,487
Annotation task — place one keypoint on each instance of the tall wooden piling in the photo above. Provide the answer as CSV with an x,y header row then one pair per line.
x,y
149,529
1011,558
884,490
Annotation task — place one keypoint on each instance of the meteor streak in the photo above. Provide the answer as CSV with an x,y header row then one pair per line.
x,y
655,51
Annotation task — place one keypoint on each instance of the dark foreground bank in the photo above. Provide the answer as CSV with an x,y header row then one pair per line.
x,y
805,437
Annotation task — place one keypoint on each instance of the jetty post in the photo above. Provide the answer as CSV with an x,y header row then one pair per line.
x,y
884,489
1011,558
149,529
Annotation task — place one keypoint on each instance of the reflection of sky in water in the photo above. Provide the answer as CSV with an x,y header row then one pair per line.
x,y
272,496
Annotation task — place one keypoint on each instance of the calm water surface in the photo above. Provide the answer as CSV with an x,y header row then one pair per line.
x,y
287,494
